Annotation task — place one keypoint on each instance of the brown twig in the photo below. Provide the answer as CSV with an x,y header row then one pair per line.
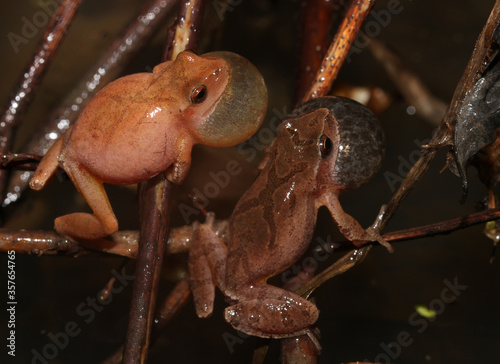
x,y
155,203
109,65
32,75
20,161
176,300
444,227
316,21
337,53
123,243
37,242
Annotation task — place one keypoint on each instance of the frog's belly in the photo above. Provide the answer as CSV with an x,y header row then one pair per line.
x,y
127,162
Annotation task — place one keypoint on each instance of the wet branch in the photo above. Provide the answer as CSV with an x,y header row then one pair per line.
x,y
20,161
339,49
155,203
316,22
30,78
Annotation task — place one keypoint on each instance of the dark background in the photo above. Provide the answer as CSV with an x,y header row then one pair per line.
x,y
362,310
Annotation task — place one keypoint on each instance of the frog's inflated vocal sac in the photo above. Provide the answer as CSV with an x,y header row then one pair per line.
x,y
147,123
327,146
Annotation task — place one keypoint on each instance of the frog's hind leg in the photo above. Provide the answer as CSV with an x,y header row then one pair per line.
x,y
47,166
271,312
207,266
83,225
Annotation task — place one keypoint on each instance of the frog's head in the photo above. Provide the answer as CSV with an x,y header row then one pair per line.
x,y
227,95
351,144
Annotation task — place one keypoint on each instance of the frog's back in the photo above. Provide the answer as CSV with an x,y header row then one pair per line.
x,y
269,226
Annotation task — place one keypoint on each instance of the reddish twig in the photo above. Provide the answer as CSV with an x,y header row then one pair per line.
x,y
317,17
154,230
337,53
109,65
32,75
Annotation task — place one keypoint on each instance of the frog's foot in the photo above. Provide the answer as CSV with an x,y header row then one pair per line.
x,y
200,276
207,266
272,312
47,167
85,226
374,235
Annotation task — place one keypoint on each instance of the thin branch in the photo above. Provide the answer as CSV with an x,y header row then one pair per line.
x,y
122,243
184,33
155,203
337,53
444,227
19,161
38,243
316,21
172,305
32,75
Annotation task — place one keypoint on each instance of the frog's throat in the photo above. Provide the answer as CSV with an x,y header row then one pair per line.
x,y
241,108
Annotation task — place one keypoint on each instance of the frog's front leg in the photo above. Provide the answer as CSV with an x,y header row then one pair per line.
x,y
207,266
348,225
83,225
271,312
180,168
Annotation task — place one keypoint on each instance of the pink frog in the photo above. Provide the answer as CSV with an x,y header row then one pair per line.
x,y
147,123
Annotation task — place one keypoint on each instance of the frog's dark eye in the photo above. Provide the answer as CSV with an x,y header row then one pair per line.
x,y
325,146
199,94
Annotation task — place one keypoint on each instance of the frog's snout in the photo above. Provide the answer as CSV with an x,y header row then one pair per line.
x,y
242,107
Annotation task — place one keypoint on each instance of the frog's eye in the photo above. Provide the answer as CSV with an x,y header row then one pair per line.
x,y
325,146
199,94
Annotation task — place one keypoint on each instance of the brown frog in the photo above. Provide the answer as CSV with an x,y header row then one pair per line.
x,y
147,123
325,147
